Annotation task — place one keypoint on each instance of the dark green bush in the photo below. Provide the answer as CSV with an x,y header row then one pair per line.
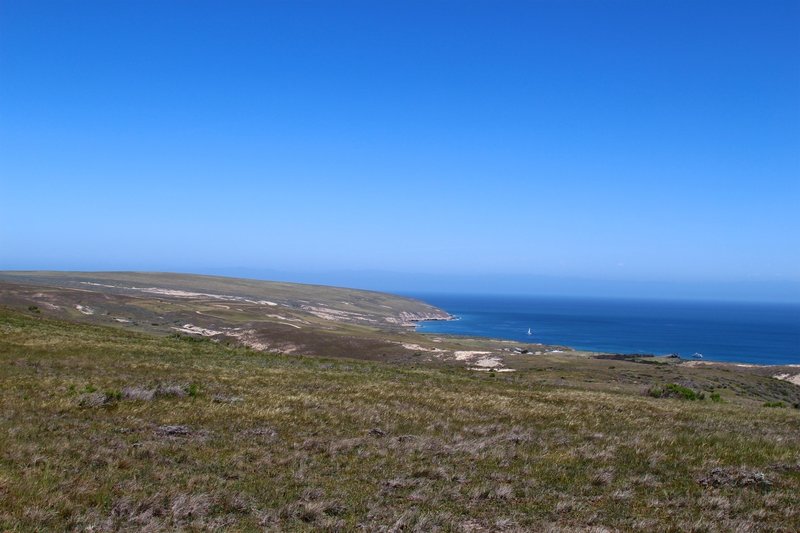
x,y
679,391
673,390
774,404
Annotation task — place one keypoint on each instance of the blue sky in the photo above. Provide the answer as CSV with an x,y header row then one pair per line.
x,y
654,144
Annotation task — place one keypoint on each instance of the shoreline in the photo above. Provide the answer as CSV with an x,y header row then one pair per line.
x,y
622,355
739,335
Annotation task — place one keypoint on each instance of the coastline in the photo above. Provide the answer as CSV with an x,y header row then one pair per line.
x,y
600,353
789,373
738,334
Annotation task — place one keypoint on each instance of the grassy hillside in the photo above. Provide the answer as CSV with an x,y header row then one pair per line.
x,y
233,291
105,428
279,317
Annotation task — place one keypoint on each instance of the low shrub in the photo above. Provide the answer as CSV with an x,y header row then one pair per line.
x,y
673,390
774,404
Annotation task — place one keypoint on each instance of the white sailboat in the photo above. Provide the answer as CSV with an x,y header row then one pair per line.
x,y
529,331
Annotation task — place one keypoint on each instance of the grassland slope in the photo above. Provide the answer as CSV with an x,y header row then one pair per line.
x,y
104,428
341,303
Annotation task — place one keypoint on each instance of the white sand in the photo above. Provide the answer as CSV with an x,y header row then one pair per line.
x,y
418,348
488,362
788,377
336,315
464,355
287,319
197,330
185,294
98,284
480,361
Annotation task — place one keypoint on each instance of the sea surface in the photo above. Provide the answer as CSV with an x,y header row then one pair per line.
x,y
734,332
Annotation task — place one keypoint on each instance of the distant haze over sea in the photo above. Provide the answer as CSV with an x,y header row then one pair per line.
x,y
514,284
755,290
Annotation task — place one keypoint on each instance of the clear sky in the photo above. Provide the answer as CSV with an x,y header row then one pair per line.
x,y
635,142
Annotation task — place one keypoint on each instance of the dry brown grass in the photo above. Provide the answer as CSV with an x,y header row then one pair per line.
x,y
274,442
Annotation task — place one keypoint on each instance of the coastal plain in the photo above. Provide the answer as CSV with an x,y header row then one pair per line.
x,y
134,401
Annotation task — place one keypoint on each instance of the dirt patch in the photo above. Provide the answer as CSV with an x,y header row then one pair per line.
x,y
162,391
222,398
266,433
94,399
734,477
174,431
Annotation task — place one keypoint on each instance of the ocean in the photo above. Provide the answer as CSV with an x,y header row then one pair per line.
x,y
756,333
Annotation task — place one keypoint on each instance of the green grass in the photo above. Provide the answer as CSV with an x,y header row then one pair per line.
x,y
110,429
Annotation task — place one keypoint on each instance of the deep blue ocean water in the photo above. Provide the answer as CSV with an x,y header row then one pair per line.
x,y
721,331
